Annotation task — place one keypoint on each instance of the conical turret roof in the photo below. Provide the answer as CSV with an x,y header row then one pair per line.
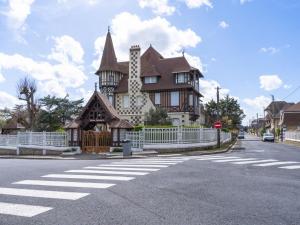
x,y
109,59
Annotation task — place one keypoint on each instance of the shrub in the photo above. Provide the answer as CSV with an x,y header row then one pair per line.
x,y
158,116
138,127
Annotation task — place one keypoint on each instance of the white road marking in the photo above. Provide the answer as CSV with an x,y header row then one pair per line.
x,y
65,184
255,161
22,210
42,193
150,162
233,160
120,168
107,172
168,155
290,167
275,163
155,161
220,158
146,163
132,165
92,177
158,160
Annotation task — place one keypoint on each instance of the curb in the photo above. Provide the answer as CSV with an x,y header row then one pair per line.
x,y
217,152
118,157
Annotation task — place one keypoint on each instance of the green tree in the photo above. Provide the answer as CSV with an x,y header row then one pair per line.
x,y
55,112
231,113
158,116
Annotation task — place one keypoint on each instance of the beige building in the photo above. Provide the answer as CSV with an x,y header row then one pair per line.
x,y
147,81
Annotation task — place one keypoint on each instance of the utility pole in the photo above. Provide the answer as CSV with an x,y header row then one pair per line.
x,y
218,118
264,119
257,124
273,109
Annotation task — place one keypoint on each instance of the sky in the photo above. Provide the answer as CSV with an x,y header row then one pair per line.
x,y
250,48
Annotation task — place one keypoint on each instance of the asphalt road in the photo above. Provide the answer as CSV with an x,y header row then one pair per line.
x,y
245,186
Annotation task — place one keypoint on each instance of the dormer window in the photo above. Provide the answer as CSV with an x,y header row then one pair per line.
x,y
150,80
181,78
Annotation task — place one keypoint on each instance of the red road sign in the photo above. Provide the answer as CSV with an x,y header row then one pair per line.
x,y
218,125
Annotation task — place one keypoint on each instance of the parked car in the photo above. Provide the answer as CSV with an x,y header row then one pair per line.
x,y
268,137
241,135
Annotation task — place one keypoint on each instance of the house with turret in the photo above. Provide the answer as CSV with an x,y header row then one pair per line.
x,y
149,80
127,90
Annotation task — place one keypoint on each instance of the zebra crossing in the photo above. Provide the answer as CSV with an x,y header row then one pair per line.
x,y
98,177
235,160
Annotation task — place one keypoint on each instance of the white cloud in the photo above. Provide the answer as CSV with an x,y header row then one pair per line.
x,y
7,100
18,11
1,76
208,89
66,50
270,82
52,78
223,24
244,1
128,29
159,7
270,50
198,3
259,102
287,86
89,2
195,61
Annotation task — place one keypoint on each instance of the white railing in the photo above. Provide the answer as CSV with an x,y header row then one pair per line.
x,y
176,135
55,139
292,135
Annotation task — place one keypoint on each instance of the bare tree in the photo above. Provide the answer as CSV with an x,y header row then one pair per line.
x,y
26,89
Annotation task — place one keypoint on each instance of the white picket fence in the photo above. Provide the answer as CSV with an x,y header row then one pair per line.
x,y
292,135
177,136
52,139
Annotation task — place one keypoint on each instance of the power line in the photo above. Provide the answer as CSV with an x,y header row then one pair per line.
x,y
296,89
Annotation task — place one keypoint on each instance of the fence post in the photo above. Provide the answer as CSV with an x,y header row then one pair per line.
x,y
18,143
44,142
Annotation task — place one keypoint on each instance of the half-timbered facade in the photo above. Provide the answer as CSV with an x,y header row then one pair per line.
x,y
149,80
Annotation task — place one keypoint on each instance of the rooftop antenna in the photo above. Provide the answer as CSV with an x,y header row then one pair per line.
x,y
183,51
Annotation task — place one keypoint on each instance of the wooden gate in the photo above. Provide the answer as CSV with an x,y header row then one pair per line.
x,y
93,141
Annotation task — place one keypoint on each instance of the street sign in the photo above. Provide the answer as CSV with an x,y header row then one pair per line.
x,y
218,125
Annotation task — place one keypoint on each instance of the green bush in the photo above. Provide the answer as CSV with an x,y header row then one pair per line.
x,y
138,127
158,116
225,130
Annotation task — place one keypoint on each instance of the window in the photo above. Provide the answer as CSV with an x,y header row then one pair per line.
x,y
139,101
111,79
150,80
125,101
175,98
191,100
110,98
157,98
180,78
176,122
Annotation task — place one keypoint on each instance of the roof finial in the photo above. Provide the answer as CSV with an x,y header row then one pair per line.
x,y
108,29
150,45
183,51
96,86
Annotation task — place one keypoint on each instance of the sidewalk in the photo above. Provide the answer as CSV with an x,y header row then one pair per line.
x,y
119,155
291,143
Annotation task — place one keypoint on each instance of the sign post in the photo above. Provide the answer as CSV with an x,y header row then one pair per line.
x,y
218,126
